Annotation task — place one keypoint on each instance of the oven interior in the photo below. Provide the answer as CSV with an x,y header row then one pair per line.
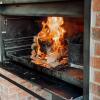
x,y
17,39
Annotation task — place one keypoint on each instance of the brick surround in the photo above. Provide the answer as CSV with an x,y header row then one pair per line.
x,y
95,51
9,91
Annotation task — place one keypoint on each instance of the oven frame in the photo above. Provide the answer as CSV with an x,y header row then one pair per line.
x,y
87,19
87,27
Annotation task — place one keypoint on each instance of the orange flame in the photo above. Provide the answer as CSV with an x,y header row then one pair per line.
x,y
52,34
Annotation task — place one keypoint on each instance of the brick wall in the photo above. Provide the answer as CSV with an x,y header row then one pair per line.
x,y
9,91
95,51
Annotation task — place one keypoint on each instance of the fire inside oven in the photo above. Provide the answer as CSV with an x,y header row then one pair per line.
x,y
52,45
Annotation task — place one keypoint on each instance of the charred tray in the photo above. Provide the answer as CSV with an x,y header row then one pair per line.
x,y
64,72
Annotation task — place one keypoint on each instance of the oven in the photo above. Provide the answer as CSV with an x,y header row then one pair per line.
x,y
45,37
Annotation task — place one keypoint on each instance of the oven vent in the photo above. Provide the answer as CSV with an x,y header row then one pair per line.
x,y
26,1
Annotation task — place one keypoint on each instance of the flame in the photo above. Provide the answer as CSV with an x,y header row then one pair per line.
x,y
50,38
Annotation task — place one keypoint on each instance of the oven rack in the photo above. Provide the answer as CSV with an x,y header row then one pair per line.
x,y
70,75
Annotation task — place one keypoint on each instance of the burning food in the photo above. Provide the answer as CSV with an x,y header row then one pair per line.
x,y
48,48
